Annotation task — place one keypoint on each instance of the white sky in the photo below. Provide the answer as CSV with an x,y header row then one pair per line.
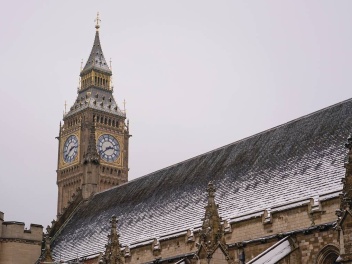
x,y
196,75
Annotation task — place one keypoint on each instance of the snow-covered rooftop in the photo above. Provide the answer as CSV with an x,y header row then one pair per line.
x,y
278,168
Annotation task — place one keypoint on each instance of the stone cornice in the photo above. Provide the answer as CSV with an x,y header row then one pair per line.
x,y
20,240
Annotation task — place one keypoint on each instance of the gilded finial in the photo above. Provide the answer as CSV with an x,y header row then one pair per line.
x,y
110,64
97,20
81,65
124,105
65,107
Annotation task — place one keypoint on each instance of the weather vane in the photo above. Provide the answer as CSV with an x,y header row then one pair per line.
x,y
98,20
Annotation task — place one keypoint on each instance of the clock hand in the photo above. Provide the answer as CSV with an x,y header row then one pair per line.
x,y
107,148
68,153
71,148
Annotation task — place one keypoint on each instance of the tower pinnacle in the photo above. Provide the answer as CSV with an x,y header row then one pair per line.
x,y
97,20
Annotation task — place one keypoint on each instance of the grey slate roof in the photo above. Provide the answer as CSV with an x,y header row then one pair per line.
x,y
98,99
277,168
88,97
96,58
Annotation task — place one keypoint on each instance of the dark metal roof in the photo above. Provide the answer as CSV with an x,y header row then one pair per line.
x,y
96,58
98,99
278,168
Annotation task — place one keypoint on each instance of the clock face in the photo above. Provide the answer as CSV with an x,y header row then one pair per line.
x,y
70,148
108,148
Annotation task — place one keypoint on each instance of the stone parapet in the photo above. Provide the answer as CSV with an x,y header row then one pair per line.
x,y
18,244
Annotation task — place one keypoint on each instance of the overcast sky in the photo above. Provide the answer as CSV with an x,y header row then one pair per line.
x,y
196,75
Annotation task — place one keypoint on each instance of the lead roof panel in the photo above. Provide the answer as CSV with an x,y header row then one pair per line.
x,y
98,99
96,58
286,164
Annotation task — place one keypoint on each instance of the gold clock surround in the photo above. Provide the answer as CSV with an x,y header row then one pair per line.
x,y
62,163
119,161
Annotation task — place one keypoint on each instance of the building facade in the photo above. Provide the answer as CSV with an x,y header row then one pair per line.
x,y
93,121
269,198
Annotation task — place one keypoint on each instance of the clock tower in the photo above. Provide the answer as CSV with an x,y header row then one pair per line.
x,y
93,139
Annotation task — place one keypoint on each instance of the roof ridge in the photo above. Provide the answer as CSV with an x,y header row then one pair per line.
x,y
233,143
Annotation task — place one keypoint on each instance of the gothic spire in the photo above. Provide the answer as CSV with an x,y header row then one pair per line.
x,y
113,254
212,233
91,155
96,60
211,228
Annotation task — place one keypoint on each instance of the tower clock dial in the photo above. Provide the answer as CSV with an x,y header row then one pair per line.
x,y
108,147
70,149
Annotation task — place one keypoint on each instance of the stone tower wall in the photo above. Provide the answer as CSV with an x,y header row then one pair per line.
x,y
17,244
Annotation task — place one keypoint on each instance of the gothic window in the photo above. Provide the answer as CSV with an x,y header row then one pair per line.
x,y
328,255
113,123
109,122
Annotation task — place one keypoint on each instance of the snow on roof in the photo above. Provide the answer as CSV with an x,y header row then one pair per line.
x,y
278,168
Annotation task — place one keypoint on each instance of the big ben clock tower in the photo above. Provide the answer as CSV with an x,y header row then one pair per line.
x,y
93,139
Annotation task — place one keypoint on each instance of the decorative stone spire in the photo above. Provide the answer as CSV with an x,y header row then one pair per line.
x,y
211,229
91,156
96,60
345,214
211,237
113,254
46,256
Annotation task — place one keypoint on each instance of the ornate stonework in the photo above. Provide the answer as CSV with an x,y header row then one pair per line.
x,y
113,254
344,222
93,140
